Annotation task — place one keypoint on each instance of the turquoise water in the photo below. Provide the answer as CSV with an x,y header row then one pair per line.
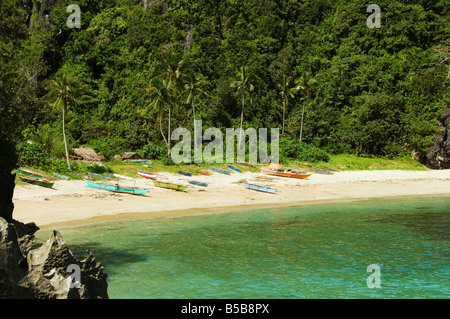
x,y
317,251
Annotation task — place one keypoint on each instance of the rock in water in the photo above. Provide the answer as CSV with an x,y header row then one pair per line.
x,y
439,155
47,272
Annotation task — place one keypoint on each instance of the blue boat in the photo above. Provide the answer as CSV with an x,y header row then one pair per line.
x,y
234,168
260,188
218,170
198,183
99,175
61,176
184,173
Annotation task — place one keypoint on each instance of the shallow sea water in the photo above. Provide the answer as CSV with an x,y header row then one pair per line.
x,y
315,251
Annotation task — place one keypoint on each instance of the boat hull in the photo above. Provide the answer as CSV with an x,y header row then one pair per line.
x,y
234,168
203,172
169,186
117,188
260,188
42,183
218,170
285,174
146,175
198,183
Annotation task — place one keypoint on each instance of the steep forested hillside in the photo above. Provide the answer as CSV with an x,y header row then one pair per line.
x,y
369,91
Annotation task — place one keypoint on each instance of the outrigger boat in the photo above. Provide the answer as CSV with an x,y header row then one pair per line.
x,y
116,188
218,170
99,175
31,174
36,181
146,174
276,170
61,176
184,173
202,172
139,161
198,183
234,169
169,185
260,188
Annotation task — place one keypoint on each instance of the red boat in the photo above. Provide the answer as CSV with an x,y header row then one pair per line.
x,y
286,173
203,172
146,174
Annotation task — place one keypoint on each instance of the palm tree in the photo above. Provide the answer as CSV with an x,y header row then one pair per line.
x,y
304,84
66,90
173,79
193,89
242,84
286,92
160,94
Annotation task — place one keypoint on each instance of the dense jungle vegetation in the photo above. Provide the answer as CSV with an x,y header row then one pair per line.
x,y
135,70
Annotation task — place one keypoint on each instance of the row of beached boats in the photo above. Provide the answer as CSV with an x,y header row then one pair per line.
x,y
273,170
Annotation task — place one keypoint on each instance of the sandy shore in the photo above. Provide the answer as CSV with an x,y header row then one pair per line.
x,y
72,203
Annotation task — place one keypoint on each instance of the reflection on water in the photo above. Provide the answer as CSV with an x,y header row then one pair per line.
x,y
317,251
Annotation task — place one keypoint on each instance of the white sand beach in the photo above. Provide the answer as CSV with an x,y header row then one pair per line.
x,y
72,203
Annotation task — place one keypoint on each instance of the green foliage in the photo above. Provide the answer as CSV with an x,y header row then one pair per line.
x,y
108,146
363,91
154,152
31,154
291,149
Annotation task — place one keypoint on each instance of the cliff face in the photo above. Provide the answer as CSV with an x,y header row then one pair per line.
x,y
439,155
43,272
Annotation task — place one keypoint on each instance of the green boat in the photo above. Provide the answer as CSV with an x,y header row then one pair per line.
x,y
23,172
117,188
39,182
169,185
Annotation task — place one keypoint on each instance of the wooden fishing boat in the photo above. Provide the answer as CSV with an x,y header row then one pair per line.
x,y
35,181
202,172
31,174
234,168
146,174
184,173
116,188
246,164
218,170
122,177
139,161
99,175
61,176
169,185
260,188
285,173
198,183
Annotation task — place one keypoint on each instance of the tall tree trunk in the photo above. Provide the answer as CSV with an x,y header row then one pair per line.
x,y
242,120
64,135
168,136
195,126
160,126
301,126
284,115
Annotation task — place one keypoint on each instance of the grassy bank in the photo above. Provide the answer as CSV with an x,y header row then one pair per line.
x,y
343,162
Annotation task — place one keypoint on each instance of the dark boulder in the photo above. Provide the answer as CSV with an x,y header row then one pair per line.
x,y
439,155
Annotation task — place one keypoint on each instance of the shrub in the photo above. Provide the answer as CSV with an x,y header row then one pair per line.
x,y
154,152
311,153
31,154
108,146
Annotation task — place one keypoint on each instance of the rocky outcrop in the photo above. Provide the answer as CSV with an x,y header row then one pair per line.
x,y
50,271
439,155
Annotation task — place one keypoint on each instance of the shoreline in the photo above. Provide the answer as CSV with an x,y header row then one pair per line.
x,y
72,204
